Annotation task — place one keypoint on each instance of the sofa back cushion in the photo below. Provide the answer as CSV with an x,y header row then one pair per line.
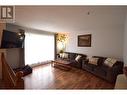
x,y
78,57
100,59
65,55
72,56
93,61
110,62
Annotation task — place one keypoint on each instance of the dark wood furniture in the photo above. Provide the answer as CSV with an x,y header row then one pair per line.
x,y
11,79
61,64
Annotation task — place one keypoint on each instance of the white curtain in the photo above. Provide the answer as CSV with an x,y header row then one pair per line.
x,y
38,48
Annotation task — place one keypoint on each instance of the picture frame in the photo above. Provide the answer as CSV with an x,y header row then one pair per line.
x,y
84,40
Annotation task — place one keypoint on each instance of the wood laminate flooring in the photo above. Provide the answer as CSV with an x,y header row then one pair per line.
x,y
2,85
48,77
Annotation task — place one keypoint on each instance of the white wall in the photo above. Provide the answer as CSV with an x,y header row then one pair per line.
x,y
107,35
13,57
125,43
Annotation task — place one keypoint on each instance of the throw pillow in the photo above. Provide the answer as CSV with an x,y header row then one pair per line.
x,y
61,55
64,55
78,57
110,61
93,61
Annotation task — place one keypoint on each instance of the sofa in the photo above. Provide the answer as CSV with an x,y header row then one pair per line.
x,y
102,70
71,59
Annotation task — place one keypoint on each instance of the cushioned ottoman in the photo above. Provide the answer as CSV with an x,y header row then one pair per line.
x,y
26,70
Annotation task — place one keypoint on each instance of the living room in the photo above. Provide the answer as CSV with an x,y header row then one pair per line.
x,y
108,35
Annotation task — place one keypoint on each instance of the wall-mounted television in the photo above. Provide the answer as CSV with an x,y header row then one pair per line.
x,y
12,39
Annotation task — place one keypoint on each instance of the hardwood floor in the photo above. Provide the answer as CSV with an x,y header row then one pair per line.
x,y
2,86
48,77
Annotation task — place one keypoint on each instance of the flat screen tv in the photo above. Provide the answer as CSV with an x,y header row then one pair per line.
x,y
12,40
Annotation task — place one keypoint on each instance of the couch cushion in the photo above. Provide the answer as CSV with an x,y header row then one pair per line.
x,y
93,61
78,58
104,67
110,62
75,64
65,55
100,60
100,71
72,56
88,66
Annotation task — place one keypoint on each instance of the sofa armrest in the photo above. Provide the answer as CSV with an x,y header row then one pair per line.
x,y
118,67
113,71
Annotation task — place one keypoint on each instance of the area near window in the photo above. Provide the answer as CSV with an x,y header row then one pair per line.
x,y
38,48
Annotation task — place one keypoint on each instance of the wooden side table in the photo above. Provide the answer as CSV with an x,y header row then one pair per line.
x,y
121,82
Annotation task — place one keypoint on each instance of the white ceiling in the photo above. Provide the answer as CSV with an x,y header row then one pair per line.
x,y
68,18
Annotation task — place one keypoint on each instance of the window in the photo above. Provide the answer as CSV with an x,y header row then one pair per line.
x,y
38,48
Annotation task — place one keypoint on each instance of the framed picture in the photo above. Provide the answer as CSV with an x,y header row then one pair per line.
x,y
84,40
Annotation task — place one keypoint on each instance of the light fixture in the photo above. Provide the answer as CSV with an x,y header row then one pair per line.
x,y
61,42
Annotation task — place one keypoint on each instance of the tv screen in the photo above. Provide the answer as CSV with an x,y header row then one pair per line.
x,y
12,40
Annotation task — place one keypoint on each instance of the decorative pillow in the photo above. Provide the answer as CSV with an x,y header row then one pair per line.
x,y
61,55
93,61
64,55
78,57
110,61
